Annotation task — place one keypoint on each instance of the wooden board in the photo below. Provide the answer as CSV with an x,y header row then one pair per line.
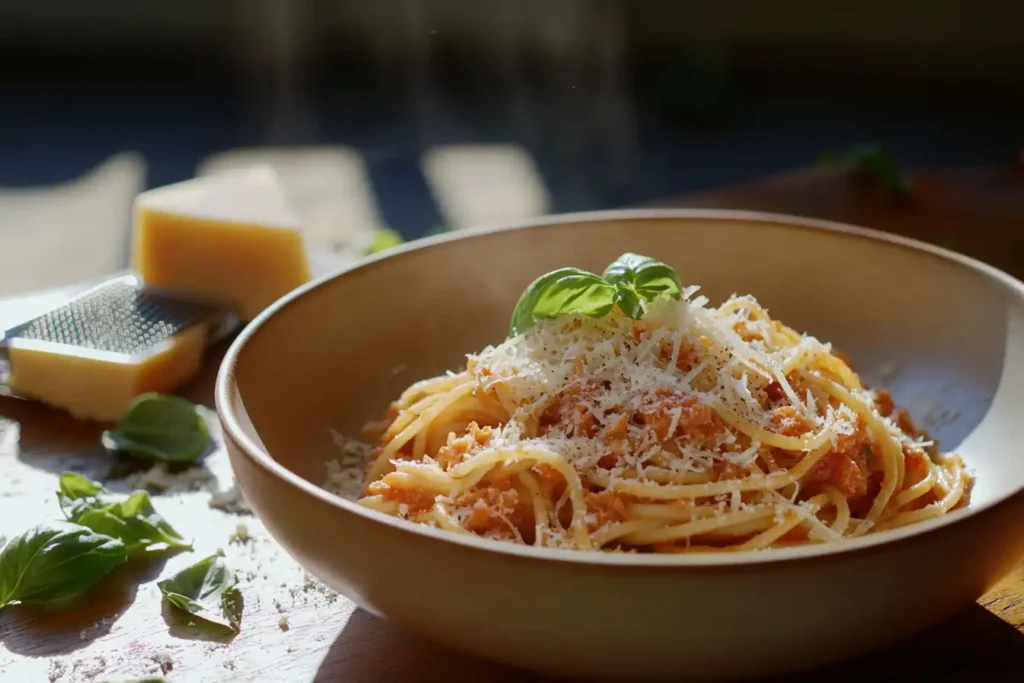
x,y
295,629
976,211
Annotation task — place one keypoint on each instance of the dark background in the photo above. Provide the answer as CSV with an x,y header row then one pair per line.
x,y
618,102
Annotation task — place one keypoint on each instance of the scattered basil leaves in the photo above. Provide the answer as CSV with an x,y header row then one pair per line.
x,y
77,495
75,486
133,521
160,427
137,524
206,590
384,239
51,565
630,282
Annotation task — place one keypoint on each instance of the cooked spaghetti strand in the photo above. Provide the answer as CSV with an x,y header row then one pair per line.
x,y
692,429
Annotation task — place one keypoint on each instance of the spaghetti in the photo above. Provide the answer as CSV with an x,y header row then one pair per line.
x,y
691,428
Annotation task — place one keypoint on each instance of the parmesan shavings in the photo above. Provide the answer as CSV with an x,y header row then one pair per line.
x,y
691,404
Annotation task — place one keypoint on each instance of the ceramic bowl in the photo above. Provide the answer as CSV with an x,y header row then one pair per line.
x,y
945,333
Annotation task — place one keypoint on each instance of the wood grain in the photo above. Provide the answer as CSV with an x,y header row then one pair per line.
x,y
295,629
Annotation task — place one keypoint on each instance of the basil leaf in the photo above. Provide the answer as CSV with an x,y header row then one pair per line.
x,y
628,301
138,508
566,291
76,486
133,521
648,277
874,161
879,163
78,495
206,590
136,523
160,427
51,565
828,157
383,239
629,282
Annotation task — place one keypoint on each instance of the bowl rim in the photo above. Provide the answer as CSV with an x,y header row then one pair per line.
x,y
226,390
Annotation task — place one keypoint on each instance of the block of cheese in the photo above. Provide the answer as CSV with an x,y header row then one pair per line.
x,y
232,237
94,352
93,385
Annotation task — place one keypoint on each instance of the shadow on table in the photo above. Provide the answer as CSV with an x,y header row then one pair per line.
x,y
368,650
974,645
54,441
33,632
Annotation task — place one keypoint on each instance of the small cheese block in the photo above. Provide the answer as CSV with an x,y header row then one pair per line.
x,y
98,385
230,237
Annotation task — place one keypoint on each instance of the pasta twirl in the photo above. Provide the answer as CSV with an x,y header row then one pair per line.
x,y
687,428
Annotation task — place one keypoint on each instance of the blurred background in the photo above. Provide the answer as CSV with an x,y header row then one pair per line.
x,y
427,115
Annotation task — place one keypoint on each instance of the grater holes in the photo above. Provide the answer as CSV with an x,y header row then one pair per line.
x,y
115,318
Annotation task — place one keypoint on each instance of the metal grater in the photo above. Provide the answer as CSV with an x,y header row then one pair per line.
x,y
120,317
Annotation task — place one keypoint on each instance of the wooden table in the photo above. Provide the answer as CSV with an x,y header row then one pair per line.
x,y
295,629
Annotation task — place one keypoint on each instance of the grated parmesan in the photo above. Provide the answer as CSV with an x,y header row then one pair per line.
x,y
547,360
682,356
230,500
160,478
346,474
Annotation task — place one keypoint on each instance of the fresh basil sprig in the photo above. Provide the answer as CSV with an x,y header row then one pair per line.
x,y
133,521
650,277
565,291
639,279
206,590
630,282
160,427
51,565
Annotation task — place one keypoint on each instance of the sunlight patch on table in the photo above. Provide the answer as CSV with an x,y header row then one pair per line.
x,y
477,185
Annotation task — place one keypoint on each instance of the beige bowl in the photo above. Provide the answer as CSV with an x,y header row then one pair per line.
x,y
944,332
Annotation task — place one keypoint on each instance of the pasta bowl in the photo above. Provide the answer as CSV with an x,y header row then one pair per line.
x,y
943,332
